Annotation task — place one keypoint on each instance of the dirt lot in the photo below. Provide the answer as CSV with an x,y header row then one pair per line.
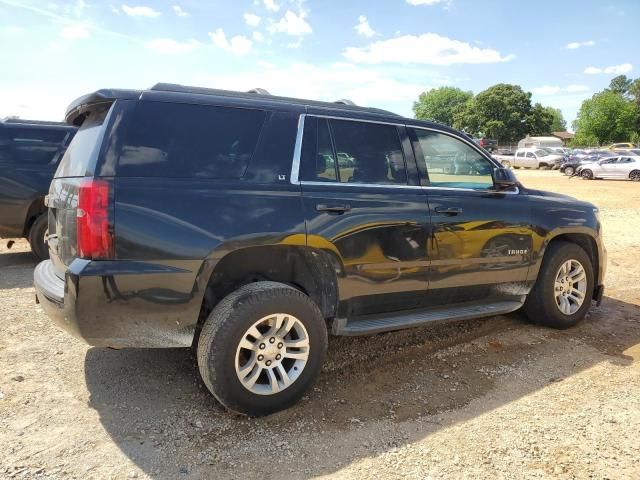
x,y
494,398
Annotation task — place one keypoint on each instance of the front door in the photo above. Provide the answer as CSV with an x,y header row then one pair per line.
x,y
481,243
360,208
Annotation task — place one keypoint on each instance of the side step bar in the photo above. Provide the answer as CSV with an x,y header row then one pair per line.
x,y
368,325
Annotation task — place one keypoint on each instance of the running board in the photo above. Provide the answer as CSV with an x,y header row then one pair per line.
x,y
372,324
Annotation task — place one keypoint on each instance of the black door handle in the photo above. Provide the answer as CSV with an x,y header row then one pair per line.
x,y
449,210
337,209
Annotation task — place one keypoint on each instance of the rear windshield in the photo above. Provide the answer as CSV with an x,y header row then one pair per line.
x,y
78,159
184,140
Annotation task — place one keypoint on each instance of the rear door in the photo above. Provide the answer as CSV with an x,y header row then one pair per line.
x,y
481,243
360,207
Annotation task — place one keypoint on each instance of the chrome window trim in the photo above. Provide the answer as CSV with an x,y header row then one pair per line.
x,y
297,151
368,185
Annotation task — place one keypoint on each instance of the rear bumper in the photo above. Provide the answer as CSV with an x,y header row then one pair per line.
x,y
121,304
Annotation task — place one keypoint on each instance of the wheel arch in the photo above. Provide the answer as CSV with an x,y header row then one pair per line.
x,y
35,209
310,270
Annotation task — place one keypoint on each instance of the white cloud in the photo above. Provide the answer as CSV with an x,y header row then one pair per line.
x,y
555,89
75,31
546,90
427,2
140,11
177,9
363,27
271,5
428,48
251,19
258,36
238,45
364,85
574,45
577,88
291,24
170,46
295,44
264,64
613,69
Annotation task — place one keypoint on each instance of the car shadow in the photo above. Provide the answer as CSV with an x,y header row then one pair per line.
x,y
17,269
155,408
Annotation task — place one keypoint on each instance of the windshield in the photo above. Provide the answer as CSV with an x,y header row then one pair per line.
x,y
541,153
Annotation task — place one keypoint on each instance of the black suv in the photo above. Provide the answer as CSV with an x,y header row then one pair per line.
x,y
233,223
30,151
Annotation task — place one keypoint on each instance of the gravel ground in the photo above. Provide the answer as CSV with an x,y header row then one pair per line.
x,y
495,398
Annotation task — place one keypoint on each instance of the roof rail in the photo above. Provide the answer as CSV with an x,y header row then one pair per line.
x,y
345,101
32,122
259,91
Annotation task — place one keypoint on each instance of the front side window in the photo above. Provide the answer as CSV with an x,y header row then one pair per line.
x,y
448,162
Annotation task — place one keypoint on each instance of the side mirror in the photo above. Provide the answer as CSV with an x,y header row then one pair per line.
x,y
504,179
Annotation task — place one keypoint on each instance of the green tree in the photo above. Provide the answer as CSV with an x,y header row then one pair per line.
x,y
502,111
540,120
606,117
440,104
558,124
620,84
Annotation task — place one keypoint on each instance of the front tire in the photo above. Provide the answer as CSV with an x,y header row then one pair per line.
x,y
564,288
37,240
586,174
634,176
261,348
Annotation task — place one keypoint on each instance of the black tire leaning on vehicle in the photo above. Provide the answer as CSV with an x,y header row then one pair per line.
x,y
540,306
39,246
229,324
568,171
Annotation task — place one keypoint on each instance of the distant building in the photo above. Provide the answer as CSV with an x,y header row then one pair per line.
x,y
566,137
532,142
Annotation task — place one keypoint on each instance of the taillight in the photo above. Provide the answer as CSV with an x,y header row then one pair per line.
x,y
94,238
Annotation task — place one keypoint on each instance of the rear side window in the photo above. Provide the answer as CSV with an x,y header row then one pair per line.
x,y
368,152
184,140
31,146
349,151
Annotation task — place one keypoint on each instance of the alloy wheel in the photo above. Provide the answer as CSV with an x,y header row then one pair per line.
x,y
272,354
570,287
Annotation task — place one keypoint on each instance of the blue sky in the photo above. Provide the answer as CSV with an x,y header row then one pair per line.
x,y
381,53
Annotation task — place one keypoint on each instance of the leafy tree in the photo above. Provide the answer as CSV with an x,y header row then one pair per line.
x,y
620,84
540,120
634,91
558,124
502,111
440,104
606,117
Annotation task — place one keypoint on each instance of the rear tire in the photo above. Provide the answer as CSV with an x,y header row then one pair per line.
x,y
544,304
270,369
569,171
37,241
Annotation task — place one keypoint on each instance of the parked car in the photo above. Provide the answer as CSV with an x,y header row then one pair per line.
x,y
488,144
622,167
223,221
29,155
573,162
622,146
531,158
